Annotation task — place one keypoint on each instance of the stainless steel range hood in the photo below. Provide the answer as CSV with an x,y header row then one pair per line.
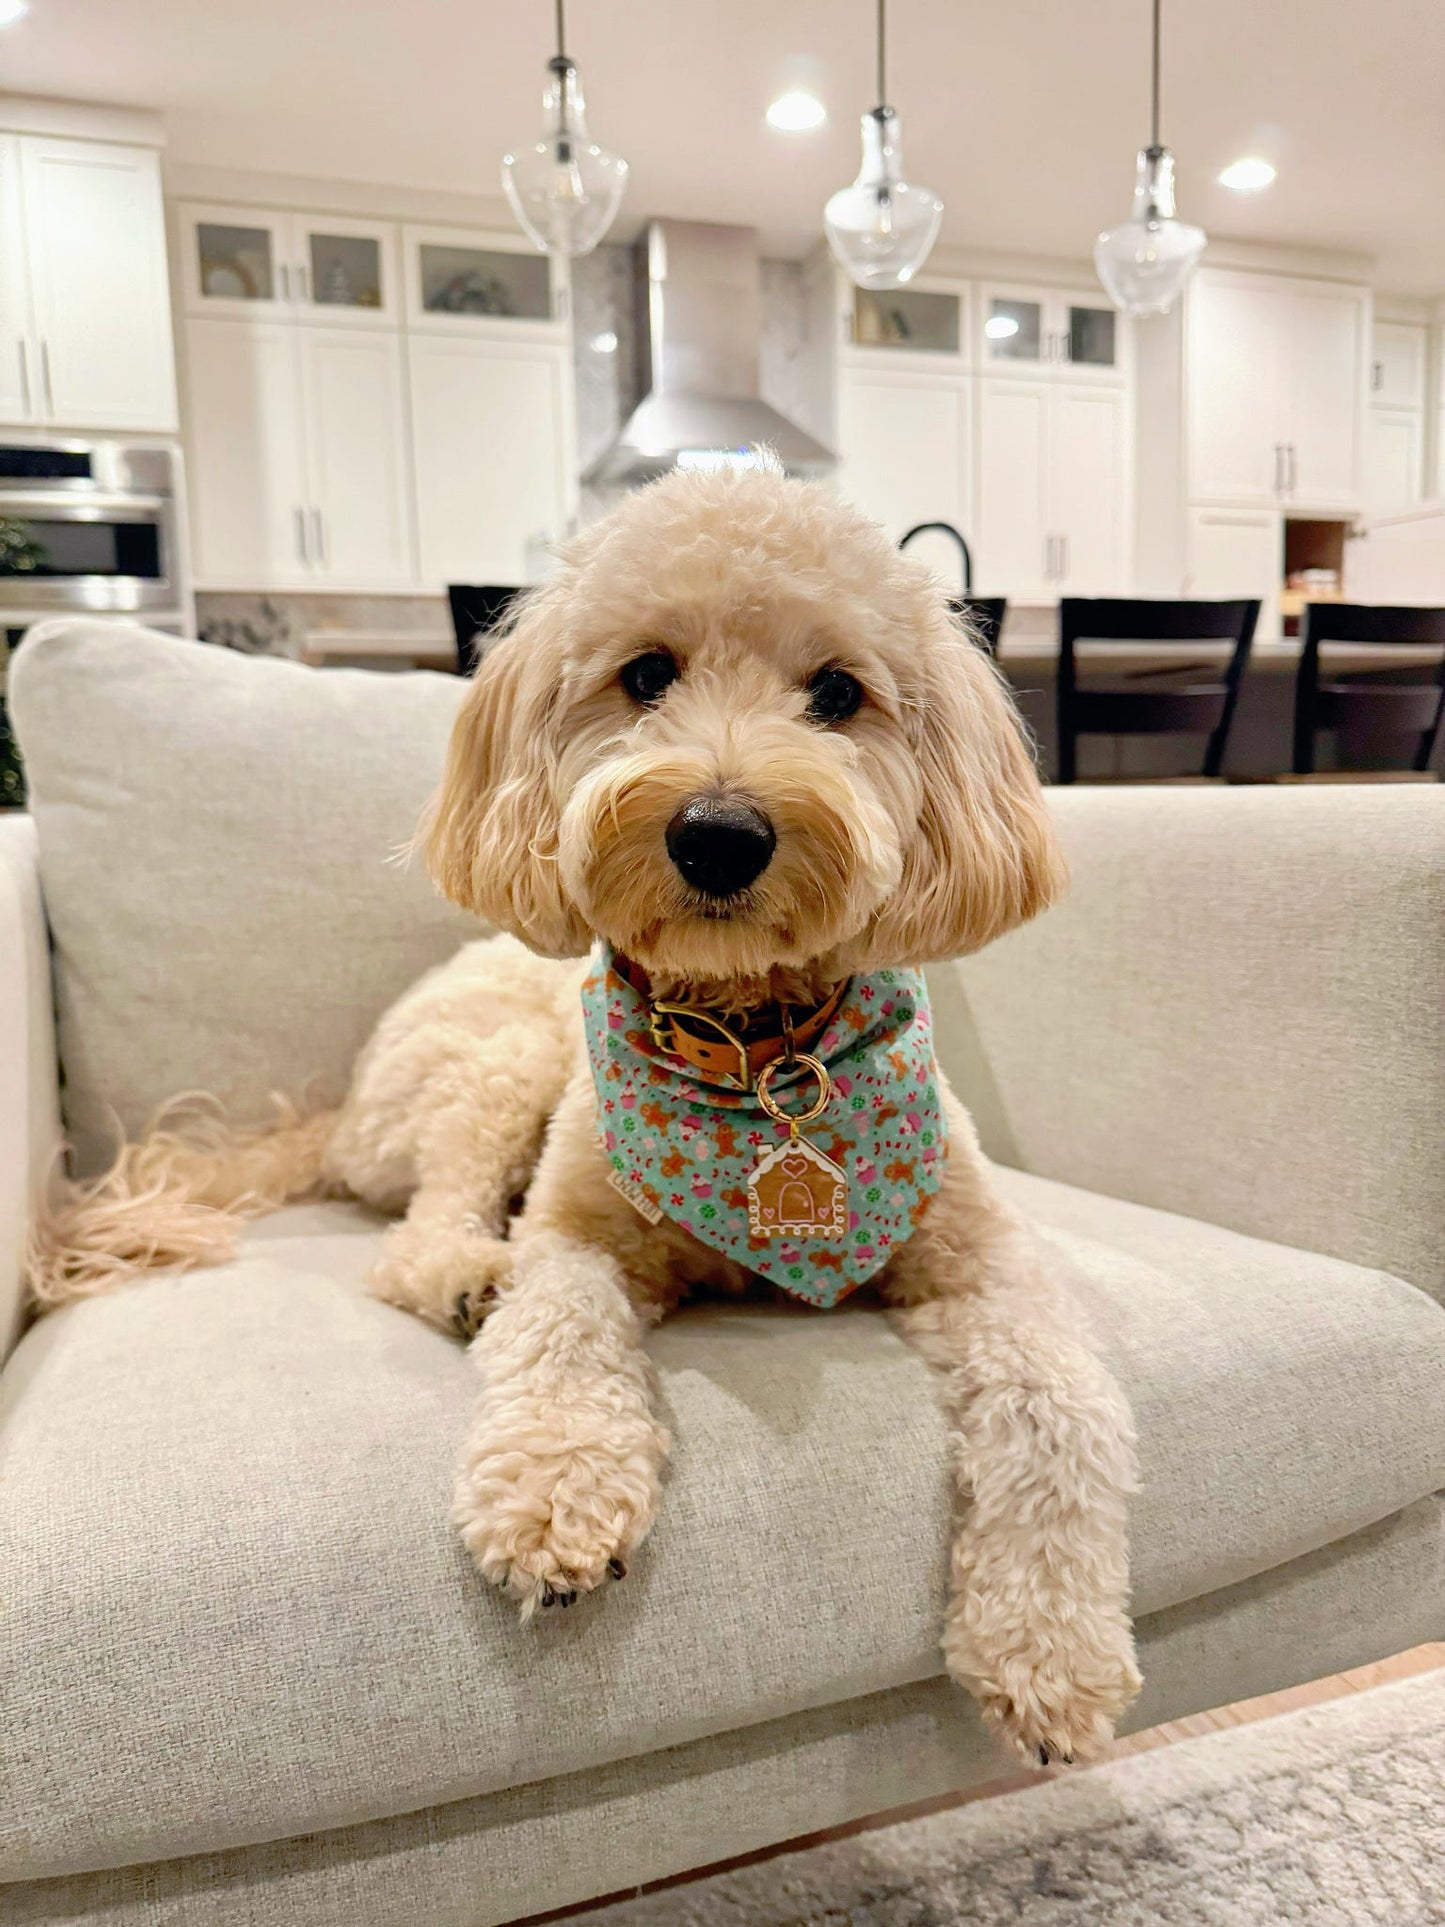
x,y
700,324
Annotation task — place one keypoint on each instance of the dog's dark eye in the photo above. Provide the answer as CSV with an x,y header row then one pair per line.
x,y
648,678
833,696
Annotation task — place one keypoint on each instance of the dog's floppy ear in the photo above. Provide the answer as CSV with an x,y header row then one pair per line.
x,y
490,834
983,857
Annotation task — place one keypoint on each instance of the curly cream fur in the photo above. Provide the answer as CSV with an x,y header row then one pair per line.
x,y
914,831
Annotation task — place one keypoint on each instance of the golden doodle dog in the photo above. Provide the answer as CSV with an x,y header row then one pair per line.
x,y
737,754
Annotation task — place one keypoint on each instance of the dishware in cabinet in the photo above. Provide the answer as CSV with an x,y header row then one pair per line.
x,y
474,282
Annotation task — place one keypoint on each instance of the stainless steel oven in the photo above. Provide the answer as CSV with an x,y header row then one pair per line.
x,y
87,525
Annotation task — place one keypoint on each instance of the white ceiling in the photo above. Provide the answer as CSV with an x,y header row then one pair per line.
x,y
1024,114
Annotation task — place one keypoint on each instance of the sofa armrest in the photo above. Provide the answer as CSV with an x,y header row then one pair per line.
x,y
1237,1013
29,1096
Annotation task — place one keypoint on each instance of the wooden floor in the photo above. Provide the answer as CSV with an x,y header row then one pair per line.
x,y
1421,1659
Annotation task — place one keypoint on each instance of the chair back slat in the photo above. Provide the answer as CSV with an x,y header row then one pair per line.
x,y
1204,704
986,613
477,609
1369,718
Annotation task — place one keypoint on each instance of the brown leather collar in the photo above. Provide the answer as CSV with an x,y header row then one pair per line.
x,y
718,1049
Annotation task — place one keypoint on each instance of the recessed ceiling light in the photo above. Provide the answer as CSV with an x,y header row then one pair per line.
x,y
13,10
999,327
603,344
795,112
1247,176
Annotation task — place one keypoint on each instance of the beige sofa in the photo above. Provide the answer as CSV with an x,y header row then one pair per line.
x,y
246,1672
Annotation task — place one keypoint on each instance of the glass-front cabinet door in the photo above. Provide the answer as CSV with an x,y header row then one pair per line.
x,y
1014,328
240,261
1089,335
1050,331
908,320
465,281
344,271
232,260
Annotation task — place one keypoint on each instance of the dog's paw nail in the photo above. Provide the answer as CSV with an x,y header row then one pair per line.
x,y
462,1315
1044,1756
617,1569
1067,1758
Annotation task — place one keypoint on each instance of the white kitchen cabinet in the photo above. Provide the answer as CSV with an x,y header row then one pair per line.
x,y
246,455
356,456
1234,553
1397,365
1325,343
19,382
906,448
1088,490
1275,384
1053,489
1064,333
85,311
1394,459
240,262
297,456
1015,545
493,458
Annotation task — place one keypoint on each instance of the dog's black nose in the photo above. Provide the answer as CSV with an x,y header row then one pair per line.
x,y
720,844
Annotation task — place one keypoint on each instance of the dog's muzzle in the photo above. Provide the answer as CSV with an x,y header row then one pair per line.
x,y
720,844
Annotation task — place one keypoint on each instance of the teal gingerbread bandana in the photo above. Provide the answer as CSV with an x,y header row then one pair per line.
x,y
832,1204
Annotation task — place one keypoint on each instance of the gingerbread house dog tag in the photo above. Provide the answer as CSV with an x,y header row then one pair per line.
x,y
794,1190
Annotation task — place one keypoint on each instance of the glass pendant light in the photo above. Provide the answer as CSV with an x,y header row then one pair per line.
x,y
882,227
565,190
1146,260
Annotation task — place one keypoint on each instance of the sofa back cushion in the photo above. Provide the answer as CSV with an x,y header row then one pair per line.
x,y
219,839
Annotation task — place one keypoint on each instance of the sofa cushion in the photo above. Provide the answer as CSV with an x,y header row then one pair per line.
x,y
235,1610
217,835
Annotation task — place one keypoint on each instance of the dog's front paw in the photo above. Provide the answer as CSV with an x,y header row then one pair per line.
x,y
1058,1701
548,1507
448,1273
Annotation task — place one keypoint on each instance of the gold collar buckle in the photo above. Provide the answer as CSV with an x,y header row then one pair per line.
x,y
663,1024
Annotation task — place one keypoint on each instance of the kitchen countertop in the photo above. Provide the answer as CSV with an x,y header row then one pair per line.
x,y
437,649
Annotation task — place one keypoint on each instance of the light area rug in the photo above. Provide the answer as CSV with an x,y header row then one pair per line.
x,y
1334,1816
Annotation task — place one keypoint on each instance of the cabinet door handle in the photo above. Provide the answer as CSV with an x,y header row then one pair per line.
x,y
1048,558
1293,468
303,555
1279,468
45,378
283,277
318,530
24,373
1063,558
1377,375
302,293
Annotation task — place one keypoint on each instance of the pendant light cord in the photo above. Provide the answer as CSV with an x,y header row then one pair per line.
x,y
1154,91
882,35
562,31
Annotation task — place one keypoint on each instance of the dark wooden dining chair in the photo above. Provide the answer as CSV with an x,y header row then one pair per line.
x,y
1175,699
986,613
1374,713
477,609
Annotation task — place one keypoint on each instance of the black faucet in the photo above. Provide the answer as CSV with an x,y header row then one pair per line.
x,y
945,528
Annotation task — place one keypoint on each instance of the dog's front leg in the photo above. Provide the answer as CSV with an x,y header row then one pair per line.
x,y
1041,1440
560,1477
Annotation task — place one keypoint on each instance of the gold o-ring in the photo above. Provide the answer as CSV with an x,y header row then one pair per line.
x,y
770,1104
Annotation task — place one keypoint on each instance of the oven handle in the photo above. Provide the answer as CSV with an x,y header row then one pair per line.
x,y
302,554
45,377
71,505
24,373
